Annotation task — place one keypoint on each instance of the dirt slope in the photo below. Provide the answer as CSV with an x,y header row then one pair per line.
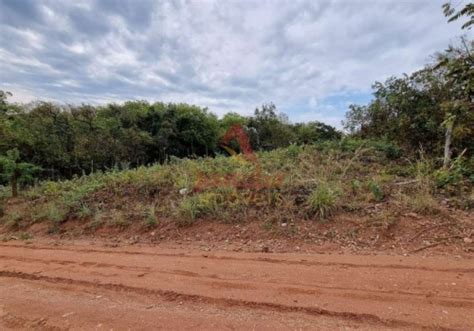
x,y
87,287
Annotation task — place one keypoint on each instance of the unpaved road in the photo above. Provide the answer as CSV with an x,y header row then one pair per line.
x,y
88,287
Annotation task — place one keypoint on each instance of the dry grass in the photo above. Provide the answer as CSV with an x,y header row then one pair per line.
x,y
315,182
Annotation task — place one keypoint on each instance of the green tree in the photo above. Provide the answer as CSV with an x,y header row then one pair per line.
x,y
455,14
271,129
16,172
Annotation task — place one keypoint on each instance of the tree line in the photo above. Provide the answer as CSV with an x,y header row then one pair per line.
x,y
64,141
431,109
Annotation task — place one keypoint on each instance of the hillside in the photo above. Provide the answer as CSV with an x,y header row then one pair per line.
x,y
357,194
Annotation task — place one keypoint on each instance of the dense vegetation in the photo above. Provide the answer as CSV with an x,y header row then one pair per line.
x,y
416,110
108,165
288,185
75,140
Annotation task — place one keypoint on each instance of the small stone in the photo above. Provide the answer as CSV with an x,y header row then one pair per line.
x,y
183,191
467,240
283,224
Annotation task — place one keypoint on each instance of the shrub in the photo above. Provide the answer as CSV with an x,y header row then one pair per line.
x,y
322,200
199,205
84,211
453,176
150,217
377,192
12,220
25,236
54,212
421,201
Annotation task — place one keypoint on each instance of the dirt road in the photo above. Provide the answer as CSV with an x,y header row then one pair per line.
x,y
88,287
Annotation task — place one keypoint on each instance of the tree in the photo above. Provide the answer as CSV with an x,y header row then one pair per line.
x,y
458,65
272,128
454,15
414,109
15,172
3,101
307,133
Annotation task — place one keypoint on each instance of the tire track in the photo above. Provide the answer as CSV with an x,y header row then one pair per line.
x,y
173,296
257,259
292,288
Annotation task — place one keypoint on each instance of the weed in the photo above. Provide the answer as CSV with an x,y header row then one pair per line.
x,y
25,236
2,208
355,186
13,220
55,213
151,220
199,205
118,219
421,202
84,212
377,192
96,222
322,201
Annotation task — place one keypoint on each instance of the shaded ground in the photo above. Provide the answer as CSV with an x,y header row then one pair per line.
x,y
84,286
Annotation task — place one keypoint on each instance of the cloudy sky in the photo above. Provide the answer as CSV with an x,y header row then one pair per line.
x,y
311,58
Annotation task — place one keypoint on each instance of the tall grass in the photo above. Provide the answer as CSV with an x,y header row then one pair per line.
x,y
318,181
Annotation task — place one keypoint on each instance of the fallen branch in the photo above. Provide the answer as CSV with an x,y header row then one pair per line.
x,y
427,246
419,233
444,238
408,182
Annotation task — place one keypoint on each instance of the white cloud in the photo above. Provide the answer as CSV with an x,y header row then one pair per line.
x,y
228,56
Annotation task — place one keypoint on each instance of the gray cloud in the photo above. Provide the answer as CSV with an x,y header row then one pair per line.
x,y
226,55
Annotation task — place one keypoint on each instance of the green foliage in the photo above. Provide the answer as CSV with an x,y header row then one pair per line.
x,y
322,201
449,178
410,110
76,140
151,220
54,212
15,172
198,205
376,190
12,220
287,183
454,15
25,236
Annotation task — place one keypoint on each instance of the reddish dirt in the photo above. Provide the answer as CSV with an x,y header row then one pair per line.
x,y
85,286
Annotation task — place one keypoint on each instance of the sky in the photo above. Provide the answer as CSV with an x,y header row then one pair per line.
x,y
311,58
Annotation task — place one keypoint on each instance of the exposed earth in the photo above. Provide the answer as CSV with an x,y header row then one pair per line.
x,y
56,285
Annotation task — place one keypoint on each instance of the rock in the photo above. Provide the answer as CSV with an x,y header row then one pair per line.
x,y
467,240
183,191
283,224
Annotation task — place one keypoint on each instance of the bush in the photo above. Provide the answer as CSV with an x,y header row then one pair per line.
x,y
150,217
12,220
376,190
451,177
199,205
322,201
54,213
